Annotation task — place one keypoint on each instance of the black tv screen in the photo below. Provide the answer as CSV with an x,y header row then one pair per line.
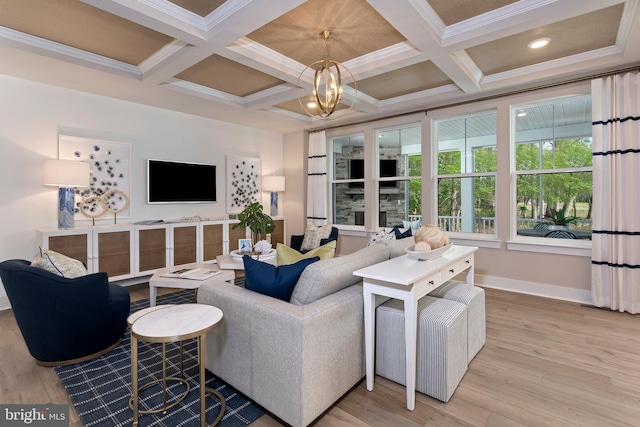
x,y
180,182
387,170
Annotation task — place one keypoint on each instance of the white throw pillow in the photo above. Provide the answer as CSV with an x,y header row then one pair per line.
x,y
414,225
59,264
313,234
381,235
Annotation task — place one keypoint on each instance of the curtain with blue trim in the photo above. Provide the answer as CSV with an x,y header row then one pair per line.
x,y
615,258
317,179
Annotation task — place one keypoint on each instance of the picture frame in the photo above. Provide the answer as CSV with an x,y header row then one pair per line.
x,y
110,182
243,183
244,246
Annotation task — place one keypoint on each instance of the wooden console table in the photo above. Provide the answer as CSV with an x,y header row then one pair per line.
x,y
409,280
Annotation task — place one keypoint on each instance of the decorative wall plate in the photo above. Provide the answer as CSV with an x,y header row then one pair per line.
x,y
91,206
115,200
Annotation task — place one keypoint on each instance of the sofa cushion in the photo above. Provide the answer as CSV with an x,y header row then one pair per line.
x,y
286,255
59,264
397,247
331,275
267,279
313,234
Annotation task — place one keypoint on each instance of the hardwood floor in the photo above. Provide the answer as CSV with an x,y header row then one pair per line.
x,y
545,363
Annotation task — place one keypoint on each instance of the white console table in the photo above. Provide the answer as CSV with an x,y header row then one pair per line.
x,y
409,280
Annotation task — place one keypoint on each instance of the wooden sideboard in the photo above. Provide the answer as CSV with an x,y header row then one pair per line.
x,y
131,250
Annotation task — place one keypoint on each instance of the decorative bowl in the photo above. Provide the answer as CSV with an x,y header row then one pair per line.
x,y
427,255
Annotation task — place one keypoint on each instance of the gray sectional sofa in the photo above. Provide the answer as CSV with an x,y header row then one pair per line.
x,y
295,358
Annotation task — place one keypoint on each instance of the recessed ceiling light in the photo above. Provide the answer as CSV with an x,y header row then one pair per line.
x,y
538,43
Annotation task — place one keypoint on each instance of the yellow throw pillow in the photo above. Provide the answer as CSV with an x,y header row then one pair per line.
x,y
286,255
59,264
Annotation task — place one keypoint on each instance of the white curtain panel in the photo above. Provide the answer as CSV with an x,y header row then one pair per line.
x,y
317,179
615,259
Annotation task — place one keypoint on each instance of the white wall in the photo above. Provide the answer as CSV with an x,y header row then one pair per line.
x,y
32,115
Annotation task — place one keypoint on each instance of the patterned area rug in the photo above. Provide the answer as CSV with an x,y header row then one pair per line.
x,y
100,388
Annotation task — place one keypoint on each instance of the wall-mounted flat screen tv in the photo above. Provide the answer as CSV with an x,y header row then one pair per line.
x,y
180,182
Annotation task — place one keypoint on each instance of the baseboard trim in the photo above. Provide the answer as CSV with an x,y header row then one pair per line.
x,y
538,289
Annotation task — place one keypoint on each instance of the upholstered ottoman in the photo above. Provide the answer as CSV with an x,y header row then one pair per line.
x,y
441,359
473,298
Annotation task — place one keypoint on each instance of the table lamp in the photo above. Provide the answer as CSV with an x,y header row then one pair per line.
x,y
274,184
66,175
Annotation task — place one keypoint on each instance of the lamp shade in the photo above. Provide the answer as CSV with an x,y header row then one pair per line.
x,y
65,173
273,183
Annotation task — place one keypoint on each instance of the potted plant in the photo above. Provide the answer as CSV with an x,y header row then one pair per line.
x,y
257,221
559,221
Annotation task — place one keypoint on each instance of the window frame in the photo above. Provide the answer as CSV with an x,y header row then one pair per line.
x,y
435,122
377,179
519,242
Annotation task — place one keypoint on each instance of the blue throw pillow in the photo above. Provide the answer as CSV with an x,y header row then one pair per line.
x,y
401,235
267,279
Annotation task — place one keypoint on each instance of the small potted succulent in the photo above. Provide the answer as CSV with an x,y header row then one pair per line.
x,y
258,222
559,221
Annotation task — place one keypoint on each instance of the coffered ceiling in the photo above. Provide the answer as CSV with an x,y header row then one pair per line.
x,y
240,60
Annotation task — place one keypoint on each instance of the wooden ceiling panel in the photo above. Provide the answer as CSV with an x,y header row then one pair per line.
x,y
415,78
358,30
583,33
199,7
454,11
228,76
75,24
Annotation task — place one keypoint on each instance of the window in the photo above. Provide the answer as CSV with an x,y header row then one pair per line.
x,y
399,175
347,186
553,173
466,173
388,172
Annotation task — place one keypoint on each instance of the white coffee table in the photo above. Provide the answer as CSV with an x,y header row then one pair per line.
x,y
233,261
157,281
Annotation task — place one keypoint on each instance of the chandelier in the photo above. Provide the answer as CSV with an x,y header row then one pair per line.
x,y
327,85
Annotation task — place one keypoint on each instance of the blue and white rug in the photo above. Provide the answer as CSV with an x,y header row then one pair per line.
x,y
100,388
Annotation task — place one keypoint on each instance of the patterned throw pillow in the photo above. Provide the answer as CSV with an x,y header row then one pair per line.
x,y
286,255
381,235
313,234
59,264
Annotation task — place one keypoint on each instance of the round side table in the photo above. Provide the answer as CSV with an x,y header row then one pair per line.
x,y
174,323
130,321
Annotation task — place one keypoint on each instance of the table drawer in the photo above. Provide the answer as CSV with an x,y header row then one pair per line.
x,y
428,284
465,263
453,270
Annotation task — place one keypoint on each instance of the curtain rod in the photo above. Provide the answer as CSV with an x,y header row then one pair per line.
x,y
486,98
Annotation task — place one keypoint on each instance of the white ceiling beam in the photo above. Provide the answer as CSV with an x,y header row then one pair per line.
x,y
422,27
205,36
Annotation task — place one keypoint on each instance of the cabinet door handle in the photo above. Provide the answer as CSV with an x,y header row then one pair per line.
x,y
467,262
431,282
451,271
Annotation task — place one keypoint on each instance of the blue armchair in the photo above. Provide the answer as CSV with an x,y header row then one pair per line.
x,y
296,240
65,321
